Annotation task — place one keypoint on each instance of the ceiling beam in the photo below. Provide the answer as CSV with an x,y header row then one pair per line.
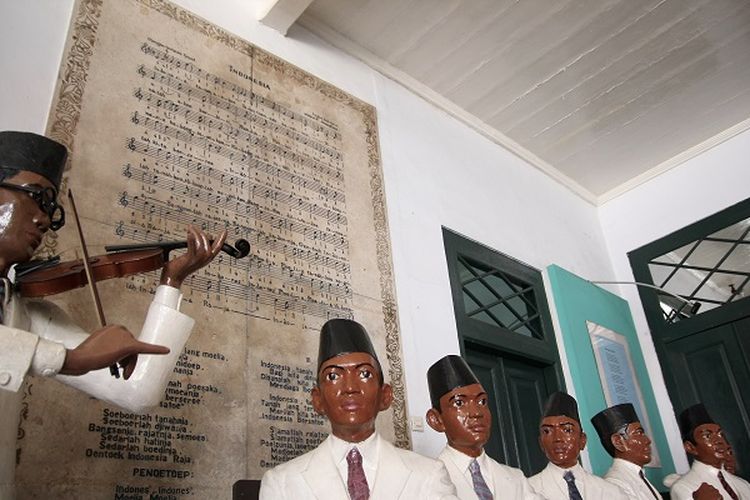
x,y
281,14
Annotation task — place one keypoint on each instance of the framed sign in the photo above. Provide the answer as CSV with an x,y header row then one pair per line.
x,y
617,375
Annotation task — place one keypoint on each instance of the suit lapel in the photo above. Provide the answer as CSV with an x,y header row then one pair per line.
x,y
393,473
322,476
502,482
554,484
463,485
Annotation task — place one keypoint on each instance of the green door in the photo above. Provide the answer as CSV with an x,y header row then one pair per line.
x,y
699,315
517,390
505,333
712,367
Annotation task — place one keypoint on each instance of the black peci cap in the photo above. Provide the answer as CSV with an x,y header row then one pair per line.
x,y
692,417
33,153
447,374
561,404
611,420
344,336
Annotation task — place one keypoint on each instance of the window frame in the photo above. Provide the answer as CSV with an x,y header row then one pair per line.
x,y
642,256
479,332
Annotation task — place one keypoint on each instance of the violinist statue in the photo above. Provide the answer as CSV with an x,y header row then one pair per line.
x,y
36,337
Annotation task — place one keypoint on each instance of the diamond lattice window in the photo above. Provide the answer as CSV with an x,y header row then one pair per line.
x,y
704,274
499,299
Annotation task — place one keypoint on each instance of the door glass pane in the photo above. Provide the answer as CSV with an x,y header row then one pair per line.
x,y
704,274
494,297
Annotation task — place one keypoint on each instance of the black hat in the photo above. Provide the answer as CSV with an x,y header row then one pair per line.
x,y
692,417
561,404
611,420
344,336
447,374
34,153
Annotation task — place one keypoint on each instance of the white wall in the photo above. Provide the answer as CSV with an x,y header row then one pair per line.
x,y
32,34
696,189
437,172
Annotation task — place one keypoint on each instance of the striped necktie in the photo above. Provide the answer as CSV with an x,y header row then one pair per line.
x,y
480,487
356,480
573,492
725,485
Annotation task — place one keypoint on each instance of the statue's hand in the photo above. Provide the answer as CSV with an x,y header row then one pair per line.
x,y
105,347
706,492
199,253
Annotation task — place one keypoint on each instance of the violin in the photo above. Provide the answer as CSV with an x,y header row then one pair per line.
x,y
124,260
40,279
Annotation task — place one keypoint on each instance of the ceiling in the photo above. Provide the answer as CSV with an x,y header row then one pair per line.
x,y
600,94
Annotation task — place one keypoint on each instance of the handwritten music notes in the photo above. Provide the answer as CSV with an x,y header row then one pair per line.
x,y
217,154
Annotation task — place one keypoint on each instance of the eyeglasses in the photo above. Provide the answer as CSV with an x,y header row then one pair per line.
x,y
46,198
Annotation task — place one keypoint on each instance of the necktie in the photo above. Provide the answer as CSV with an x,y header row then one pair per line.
x,y
728,488
573,492
480,487
356,482
650,488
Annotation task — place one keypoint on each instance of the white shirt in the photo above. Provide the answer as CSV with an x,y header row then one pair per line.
x,y
502,480
704,473
626,475
462,461
401,474
369,450
33,338
25,352
550,484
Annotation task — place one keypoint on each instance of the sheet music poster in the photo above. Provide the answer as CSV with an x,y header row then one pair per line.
x,y
172,121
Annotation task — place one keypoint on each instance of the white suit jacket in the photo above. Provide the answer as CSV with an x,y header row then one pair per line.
x,y
401,474
625,475
34,336
550,484
507,482
703,473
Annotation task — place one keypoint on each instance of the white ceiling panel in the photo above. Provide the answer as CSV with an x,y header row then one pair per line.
x,y
605,92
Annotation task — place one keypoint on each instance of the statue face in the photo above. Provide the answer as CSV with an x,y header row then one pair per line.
x,y
465,419
22,221
634,446
562,440
710,445
730,462
349,393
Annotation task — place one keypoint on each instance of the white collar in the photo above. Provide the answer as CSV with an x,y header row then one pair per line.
x,y
577,470
704,468
627,464
462,460
367,448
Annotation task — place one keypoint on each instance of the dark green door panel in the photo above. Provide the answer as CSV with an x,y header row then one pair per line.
x,y
706,358
505,333
710,367
528,391
517,389
489,371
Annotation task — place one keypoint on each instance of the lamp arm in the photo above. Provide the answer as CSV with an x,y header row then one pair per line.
x,y
690,303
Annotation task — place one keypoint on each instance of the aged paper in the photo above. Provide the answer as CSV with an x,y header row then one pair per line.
x,y
172,121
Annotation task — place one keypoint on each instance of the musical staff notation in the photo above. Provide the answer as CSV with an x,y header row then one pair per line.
x,y
218,154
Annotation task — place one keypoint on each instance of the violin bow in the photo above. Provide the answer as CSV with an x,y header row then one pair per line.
x,y
89,275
